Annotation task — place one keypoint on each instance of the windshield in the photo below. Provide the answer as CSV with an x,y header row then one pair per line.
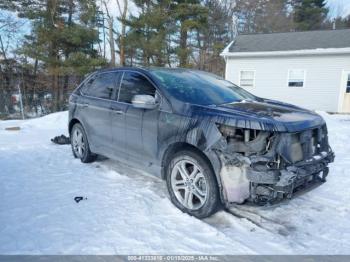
x,y
200,88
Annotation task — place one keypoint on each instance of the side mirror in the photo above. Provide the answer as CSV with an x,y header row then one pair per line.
x,y
144,101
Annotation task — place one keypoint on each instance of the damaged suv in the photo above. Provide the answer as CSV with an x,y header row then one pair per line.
x,y
213,142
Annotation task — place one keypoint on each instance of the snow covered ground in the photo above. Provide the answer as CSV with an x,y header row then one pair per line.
x,y
128,211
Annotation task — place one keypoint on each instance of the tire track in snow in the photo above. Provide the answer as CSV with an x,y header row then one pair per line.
x,y
271,225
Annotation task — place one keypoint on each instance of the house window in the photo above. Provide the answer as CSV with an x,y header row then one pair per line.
x,y
247,78
296,77
348,84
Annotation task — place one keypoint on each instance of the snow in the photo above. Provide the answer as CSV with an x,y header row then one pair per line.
x,y
227,49
316,51
128,211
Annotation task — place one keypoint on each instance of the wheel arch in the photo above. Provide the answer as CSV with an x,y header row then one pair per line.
x,y
211,158
72,122
76,120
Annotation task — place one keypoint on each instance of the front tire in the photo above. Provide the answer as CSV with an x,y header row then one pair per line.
x,y
192,184
80,144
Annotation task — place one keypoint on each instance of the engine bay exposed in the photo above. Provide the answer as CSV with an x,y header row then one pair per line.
x,y
265,166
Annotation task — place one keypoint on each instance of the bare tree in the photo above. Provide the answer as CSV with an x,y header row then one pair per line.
x,y
110,21
9,28
9,31
122,18
103,30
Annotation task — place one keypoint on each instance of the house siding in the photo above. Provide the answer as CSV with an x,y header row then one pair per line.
x,y
321,90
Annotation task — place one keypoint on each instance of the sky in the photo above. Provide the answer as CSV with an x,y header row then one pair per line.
x,y
340,7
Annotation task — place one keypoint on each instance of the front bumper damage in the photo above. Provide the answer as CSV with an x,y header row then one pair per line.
x,y
266,167
272,186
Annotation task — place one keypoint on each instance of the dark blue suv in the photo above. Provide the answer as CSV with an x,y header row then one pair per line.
x,y
214,143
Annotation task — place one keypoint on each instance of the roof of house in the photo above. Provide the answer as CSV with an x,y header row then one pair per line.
x,y
291,41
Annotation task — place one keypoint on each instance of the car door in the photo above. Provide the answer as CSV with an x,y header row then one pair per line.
x,y
96,115
118,110
140,125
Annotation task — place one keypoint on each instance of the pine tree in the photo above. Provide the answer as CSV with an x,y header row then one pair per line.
x,y
263,16
274,16
63,37
163,29
309,14
189,15
215,36
147,37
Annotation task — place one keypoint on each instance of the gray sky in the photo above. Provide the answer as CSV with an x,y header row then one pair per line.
x,y
340,7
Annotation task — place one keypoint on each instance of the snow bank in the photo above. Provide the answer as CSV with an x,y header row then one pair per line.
x,y
127,211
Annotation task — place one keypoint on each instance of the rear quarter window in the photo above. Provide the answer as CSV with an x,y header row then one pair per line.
x,y
100,86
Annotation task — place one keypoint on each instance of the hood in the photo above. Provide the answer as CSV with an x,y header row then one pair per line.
x,y
262,115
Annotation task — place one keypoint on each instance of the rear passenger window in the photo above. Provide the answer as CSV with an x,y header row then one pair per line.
x,y
100,86
134,84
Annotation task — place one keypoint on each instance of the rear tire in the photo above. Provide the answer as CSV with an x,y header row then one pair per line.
x,y
192,184
80,144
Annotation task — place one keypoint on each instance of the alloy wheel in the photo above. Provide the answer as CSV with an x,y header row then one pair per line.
x,y
79,145
189,184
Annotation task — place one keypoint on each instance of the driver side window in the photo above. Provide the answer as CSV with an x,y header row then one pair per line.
x,y
134,84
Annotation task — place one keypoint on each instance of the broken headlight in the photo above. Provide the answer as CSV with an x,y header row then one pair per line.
x,y
238,134
226,131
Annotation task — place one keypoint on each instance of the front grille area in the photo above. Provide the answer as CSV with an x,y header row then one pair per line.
x,y
275,164
303,162
296,147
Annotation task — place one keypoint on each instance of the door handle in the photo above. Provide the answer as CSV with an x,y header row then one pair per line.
x,y
84,105
116,111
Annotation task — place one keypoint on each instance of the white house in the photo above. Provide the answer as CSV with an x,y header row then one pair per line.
x,y
309,69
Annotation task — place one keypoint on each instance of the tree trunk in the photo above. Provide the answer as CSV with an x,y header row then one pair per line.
x,y
111,40
56,92
2,93
104,33
183,46
122,46
64,91
53,72
122,36
3,79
